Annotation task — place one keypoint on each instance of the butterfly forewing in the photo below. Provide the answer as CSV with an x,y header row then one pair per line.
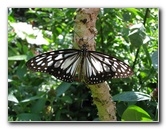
x,y
62,64
99,67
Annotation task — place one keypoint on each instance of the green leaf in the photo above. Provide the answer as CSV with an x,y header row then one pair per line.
x,y
58,115
155,59
137,35
143,74
38,106
147,53
135,113
19,57
66,99
121,107
28,117
12,98
131,96
133,10
21,70
62,88
31,98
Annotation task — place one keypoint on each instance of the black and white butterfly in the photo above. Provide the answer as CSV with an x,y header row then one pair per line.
x,y
70,65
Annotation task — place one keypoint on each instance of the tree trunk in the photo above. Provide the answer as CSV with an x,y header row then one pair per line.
x,y
84,29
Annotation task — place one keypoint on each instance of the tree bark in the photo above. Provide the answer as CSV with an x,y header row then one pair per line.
x,y
85,32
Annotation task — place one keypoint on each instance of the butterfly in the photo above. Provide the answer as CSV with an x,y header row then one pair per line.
x,y
70,65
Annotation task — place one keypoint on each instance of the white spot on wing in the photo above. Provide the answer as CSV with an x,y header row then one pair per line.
x,y
69,69
50,63
68,62
106,68
58,63
123,66
52,53
122,70
39,62
50,56
74,67
59,57
113,69
43,64
70,54
97,64
40,59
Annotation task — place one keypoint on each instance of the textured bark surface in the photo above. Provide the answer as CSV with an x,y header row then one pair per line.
x,y
85,32
84,27
103,100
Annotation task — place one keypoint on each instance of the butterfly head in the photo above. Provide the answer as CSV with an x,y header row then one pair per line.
x,y
86,46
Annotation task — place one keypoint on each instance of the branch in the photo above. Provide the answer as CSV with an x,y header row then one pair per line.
x,y
137,52
84,28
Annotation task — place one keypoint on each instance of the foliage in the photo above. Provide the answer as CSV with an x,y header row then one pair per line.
x,y
129,34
